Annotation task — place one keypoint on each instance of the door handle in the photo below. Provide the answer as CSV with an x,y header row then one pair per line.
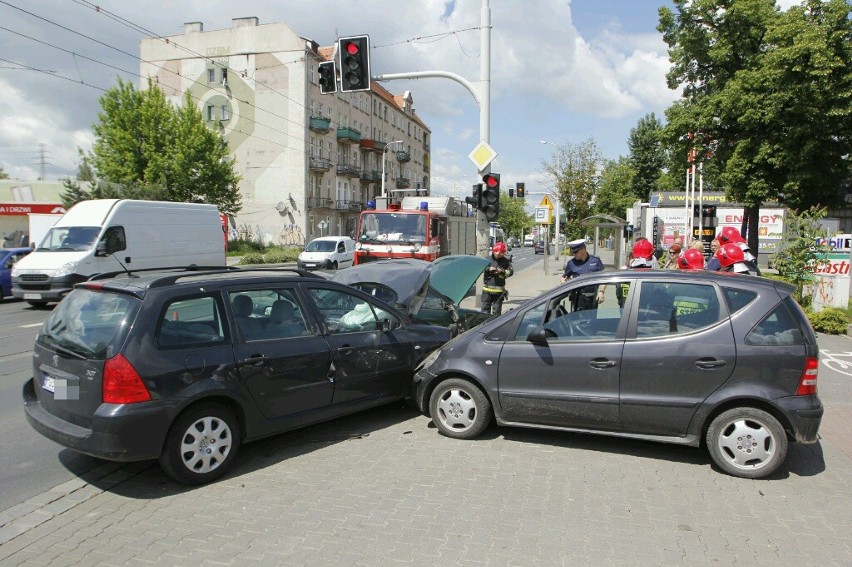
x,y
709,363
601,363
345,350
256,360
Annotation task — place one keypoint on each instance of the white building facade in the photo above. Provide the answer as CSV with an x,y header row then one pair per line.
x,y
308,163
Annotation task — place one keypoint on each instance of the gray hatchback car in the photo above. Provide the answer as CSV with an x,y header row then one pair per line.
x,y
679,357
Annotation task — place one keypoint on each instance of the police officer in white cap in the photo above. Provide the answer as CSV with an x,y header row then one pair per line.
x,y
583,263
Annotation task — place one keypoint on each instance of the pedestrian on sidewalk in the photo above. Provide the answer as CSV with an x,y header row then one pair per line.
x,y
583,263
494,283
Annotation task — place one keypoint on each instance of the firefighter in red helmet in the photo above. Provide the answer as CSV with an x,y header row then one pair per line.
x,y
494,286
690,259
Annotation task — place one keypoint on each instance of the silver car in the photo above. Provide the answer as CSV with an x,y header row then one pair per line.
x,y
679,357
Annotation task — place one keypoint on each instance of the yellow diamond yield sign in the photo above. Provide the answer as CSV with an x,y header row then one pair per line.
x,y
482,155
546,202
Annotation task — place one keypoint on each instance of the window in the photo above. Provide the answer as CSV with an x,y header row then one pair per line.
x,y
188,323
211,75
268,314
346,313
777,328
575,316
224,76
226,112
667,309
738,298
211,113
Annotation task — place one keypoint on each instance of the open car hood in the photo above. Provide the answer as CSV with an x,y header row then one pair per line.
x,y
409,279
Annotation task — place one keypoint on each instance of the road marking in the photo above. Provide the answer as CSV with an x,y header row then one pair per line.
x,y
30,325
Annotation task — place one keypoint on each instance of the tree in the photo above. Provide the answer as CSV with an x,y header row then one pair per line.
x,y
513,217
647,156
3,174
615,194
800,253
576,169
145,148
769,91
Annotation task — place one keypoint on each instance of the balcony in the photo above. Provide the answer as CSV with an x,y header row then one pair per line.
x,y
371,176
320,124
319,164
368,144
350,135
403,155
426,146
348,170
320,203
380,146
403,182
349,205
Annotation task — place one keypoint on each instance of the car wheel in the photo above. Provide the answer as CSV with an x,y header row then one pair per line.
x,y
201,444
459,409
334,265
747,442
36,303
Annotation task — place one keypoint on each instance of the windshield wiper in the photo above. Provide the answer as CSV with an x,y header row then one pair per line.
x,y
67,351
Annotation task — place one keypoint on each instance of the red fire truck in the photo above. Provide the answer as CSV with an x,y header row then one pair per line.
x,y
420,227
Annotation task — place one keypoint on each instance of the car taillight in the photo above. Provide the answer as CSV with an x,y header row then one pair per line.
x,y
122,384
808,383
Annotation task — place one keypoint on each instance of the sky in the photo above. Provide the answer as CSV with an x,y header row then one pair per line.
x,y
561,70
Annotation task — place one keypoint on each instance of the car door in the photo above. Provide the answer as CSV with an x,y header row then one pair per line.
x,y
569,379
680,349
285,373
368,361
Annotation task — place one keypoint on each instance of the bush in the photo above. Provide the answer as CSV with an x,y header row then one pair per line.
x,y
242,246
830,320
273,255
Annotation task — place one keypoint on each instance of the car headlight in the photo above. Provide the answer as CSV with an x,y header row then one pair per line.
x,y
417,247
65,270
429,360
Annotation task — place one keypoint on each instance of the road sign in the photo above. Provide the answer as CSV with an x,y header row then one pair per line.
x,y
482,155
542,215
546,202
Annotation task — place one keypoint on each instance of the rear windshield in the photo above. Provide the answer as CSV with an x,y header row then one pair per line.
x,y
89,324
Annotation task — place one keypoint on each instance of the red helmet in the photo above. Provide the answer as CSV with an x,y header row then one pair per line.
x,y
499,247
643,249
729,234
691,259
729,254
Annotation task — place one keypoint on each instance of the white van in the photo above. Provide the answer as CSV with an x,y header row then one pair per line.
x,y
108,235
529,240
327,252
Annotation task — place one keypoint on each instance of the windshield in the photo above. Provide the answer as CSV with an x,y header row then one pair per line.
x,y
70,238
320,246
393,227
89,324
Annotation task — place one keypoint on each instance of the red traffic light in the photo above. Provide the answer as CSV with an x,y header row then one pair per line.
x,y
491,180
352,48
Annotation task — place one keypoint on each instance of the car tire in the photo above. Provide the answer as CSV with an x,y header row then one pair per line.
x,y
36,303
334,265
201,444
459,409
747,442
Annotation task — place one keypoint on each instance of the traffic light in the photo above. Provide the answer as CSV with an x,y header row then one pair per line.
x,y
491,196
476,200
519,190
511,193
354,63
328,77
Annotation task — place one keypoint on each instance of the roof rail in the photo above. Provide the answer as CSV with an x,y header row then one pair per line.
x,y
174,277
132,273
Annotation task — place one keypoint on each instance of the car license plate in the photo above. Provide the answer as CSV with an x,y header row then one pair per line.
x,y
49,384
32,296
310,265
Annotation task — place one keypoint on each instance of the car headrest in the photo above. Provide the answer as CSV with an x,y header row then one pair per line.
x,y
281,311
243,306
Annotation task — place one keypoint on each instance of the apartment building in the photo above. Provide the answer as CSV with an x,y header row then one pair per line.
x,y
308,163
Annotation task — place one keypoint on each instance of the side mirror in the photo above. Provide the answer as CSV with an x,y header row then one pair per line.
x,y
539,335
385,325
101,249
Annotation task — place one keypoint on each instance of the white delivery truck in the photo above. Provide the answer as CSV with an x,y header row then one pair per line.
x,y
107,235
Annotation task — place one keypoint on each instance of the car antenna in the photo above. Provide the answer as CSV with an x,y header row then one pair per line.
x,y
123,267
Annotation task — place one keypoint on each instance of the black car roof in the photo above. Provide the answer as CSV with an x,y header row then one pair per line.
x,y
724,278
138,282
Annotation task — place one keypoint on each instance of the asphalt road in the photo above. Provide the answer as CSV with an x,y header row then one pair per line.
x,y
29,463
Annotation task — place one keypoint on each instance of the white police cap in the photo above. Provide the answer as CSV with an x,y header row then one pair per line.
x,y
575,245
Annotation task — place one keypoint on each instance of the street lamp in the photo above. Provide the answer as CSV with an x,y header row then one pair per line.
x,y
558,171
384,156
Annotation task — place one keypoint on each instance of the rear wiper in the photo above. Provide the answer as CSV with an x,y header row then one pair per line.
x,y
68,351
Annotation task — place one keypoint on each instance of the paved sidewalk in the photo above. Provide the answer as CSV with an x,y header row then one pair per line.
x,y
384,488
